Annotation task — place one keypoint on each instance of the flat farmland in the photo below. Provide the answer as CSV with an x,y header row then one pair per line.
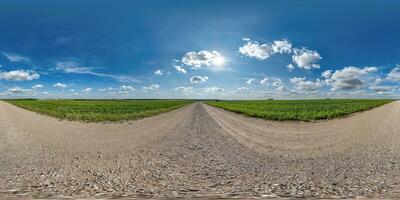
x,y
298,110
100,110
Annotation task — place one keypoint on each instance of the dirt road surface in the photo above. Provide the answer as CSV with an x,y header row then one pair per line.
x,y
200,151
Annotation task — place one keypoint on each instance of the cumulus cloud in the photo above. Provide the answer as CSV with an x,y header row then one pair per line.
x,y
255,50
377,81
327,74
302,84
382,89
305,58
213,90
198,79
202,58
87,90
19,75
271,81
349,78
125,88
241,89
19,91
264,81
37,86
394,74
290,67
151,87
60,85
13,57
282,46
250,81
281,88
277,83
75,68
259,51
184,90
159,72
180,69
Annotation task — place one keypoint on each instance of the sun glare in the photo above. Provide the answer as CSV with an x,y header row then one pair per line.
x,y
219,61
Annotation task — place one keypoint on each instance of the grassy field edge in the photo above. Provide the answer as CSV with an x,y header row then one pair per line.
x,y
250,111
97,117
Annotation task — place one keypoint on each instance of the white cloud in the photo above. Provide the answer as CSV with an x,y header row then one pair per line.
x,y
184,90
264,81
302,84
125,88
113,89
256,50
282,46
377,81
180,69
250,81
259,51
159,72
394,74
271,81
306,59
74,68
327,74
37,86
19,91
19,75
382,89
13,57
241,89
202,58
213,90
87,90
1,65
281,88
60,85
277,83
151,87
198,79
349,78
290,67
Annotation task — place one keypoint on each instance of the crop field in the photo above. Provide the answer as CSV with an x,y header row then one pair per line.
x,y
99,110
298,110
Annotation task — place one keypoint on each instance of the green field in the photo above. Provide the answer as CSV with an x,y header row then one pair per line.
x,y
298,110
100,110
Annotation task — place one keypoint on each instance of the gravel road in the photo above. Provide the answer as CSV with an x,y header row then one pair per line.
x,y
200,151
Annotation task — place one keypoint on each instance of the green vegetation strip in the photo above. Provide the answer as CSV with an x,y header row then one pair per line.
x,y
100,110
298,110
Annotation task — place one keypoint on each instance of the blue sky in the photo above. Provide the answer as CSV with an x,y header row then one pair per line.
x,y
200,49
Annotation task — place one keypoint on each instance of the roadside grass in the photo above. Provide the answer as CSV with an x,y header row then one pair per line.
x,y
298,110
100,110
